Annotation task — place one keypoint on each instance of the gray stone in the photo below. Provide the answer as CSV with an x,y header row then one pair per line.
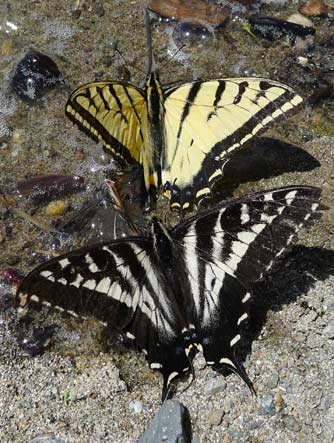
x,y
272,380
253,424
168,425
291,423
216,417
47,438
136,406
315,341
328,332
268,405
327,402
214,386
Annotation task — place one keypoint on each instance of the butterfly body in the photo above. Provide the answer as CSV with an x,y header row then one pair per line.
x,y
179,291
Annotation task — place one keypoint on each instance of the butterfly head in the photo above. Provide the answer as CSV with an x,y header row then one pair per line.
x,y
157,228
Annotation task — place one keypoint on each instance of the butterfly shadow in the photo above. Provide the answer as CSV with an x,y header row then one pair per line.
x,y
303,266
264,158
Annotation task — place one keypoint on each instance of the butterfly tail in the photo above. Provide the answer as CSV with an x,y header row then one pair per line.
x,y
238,369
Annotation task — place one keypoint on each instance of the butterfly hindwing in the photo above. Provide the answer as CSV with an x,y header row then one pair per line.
x,y
115,114
121,284
227,249
206,121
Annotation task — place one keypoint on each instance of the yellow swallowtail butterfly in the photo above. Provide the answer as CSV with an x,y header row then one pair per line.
x,y
182,135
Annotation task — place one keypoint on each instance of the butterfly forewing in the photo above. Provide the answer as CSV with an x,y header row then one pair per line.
x,y
200,125
115,114
230,247
205,122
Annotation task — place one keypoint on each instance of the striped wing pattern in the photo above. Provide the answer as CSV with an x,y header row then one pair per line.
x,y
121,284
114,114
176,292
228,249
183,136
205,122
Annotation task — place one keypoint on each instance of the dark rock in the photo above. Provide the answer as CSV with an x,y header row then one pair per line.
x,y
49,187
35,343
34,75
327,402
170,425
273,28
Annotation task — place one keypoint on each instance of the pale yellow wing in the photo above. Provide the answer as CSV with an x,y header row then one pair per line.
x,y
115,114
205,122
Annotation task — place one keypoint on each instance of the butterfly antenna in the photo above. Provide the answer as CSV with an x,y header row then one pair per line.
x,y
150,60
127,62
174,55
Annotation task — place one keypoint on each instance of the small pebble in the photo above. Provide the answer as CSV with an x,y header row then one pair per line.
x,y
300,20
253,425
272,380
136,406
314,341
214,386
291,423
216,417
268,405
6,48
327,402
328,332
57,207
279,401
302,61
313,8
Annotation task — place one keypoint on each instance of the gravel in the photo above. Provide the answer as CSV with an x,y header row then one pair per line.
x,y
79,389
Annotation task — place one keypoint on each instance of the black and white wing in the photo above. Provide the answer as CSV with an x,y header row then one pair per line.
x,y
206,121
227,249
121,284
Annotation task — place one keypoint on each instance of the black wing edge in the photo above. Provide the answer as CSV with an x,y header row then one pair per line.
x,y
313,209
120,152
312,193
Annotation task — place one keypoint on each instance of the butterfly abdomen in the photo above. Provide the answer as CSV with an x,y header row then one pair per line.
x,y
154,96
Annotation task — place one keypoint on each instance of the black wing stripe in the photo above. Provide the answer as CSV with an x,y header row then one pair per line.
x,y
177,292
128,95
99,132
242,88
211,168
194,90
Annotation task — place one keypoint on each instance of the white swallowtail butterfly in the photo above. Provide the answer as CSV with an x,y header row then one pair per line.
x,y
176,292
